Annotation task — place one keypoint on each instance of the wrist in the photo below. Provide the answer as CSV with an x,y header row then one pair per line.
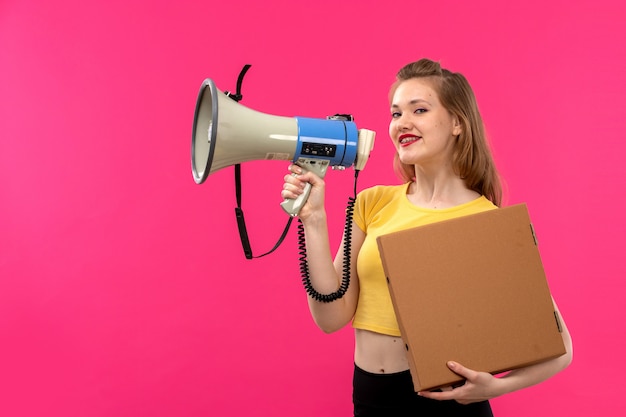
x,y
314,218
507,384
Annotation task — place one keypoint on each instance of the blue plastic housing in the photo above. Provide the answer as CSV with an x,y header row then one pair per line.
x,y
340,135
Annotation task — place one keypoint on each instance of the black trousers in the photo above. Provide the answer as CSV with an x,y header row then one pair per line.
x,y
393,395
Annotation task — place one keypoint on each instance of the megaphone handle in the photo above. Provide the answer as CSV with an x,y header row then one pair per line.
x,y
319,167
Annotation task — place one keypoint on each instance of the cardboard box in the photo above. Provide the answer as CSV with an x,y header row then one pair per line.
x,y
472,290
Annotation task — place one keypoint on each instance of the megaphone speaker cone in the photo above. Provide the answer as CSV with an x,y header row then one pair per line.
x,y
226,133
204,133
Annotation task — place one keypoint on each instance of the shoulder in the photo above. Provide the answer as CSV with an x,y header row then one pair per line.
x,y
375,200
478,205
484,203
383,192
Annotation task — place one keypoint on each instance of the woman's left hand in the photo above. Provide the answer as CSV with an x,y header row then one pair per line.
x,y
479,386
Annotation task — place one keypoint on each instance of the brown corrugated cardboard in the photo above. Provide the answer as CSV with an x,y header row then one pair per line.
x,y
472,290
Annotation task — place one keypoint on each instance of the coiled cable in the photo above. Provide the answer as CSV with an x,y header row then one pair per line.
x,y
347,249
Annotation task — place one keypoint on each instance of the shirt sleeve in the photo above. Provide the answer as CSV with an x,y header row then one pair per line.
x,y
362,208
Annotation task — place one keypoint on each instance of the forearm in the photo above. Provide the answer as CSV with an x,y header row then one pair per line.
x,y
534,374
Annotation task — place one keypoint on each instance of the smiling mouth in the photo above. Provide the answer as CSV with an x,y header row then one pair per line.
x,y
408,139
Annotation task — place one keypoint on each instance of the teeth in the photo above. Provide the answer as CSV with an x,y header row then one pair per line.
x,y
406,140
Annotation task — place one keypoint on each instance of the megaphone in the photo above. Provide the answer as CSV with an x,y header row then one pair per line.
x,y
226,133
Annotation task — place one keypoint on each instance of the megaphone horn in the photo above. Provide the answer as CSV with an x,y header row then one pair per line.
x,y
226,133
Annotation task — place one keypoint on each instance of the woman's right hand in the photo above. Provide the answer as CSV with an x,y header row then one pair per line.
x,y
294,185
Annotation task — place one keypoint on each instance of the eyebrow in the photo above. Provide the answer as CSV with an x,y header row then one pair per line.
x,y
414,101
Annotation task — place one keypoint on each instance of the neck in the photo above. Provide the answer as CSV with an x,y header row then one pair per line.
x,y
440,189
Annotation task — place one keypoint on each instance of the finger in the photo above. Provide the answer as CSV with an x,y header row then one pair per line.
x,y
295,182
459,369
290,178
439,396
295,169
292,190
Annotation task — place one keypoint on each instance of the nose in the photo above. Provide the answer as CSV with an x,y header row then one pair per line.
x,y
402,123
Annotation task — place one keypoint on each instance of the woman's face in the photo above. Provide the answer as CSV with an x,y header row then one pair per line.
x,y
421,129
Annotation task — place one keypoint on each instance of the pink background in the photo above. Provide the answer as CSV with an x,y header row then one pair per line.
x,y
123,287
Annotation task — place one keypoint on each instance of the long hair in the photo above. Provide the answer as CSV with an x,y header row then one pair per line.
x,y
472,158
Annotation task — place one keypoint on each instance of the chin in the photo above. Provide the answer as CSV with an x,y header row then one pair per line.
x,y
408,160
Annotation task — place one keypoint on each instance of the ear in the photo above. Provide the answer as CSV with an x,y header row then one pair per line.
x,y
457,129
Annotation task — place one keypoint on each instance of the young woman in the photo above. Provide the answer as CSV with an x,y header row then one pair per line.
x,y
444,159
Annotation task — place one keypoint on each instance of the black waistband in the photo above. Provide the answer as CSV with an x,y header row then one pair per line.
x,y
375,375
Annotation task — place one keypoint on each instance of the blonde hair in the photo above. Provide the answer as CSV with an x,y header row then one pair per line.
x,y
472,158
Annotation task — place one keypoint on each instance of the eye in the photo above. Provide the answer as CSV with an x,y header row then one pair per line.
x,y
420,110
395,114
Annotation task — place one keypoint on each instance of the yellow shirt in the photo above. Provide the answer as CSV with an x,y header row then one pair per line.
x,y
380,210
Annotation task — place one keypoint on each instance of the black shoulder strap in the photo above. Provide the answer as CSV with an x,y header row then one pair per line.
x,y
241,222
